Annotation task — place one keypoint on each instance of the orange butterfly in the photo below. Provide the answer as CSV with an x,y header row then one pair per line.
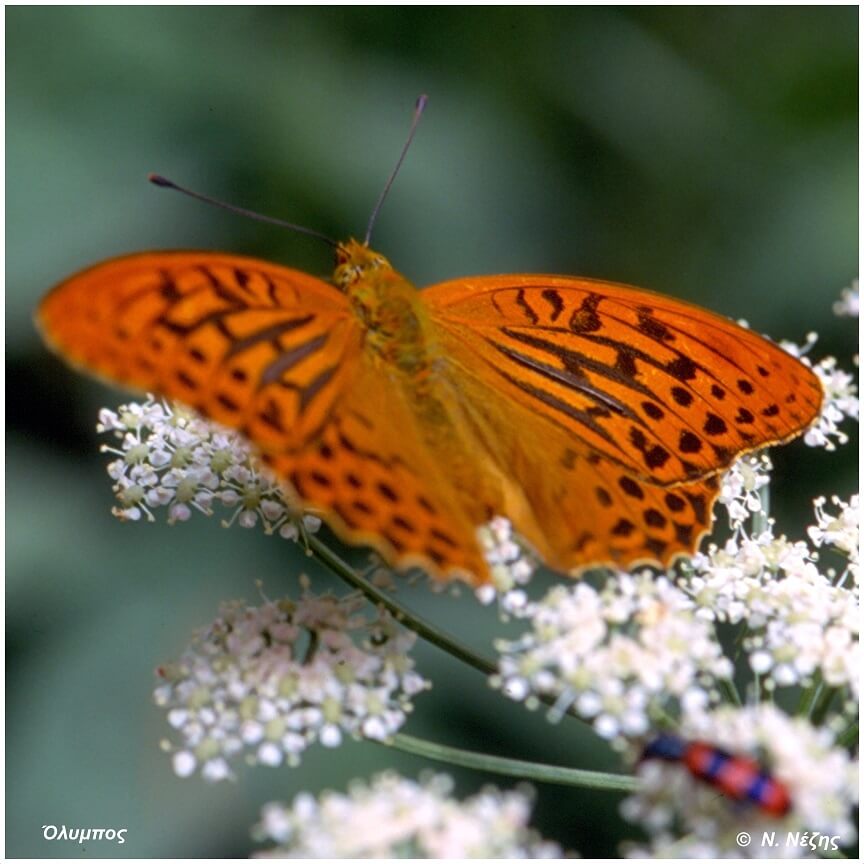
x,y
595,416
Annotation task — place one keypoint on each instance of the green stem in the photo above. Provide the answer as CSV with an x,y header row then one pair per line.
x,y
822,704
311,648
727,687
810,697
761,519
848,736
423,628
404,616
535,771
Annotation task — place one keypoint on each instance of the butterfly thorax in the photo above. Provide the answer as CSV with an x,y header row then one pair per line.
x,y
394,321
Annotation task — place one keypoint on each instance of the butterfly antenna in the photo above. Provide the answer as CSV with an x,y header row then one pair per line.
x,y
158,180
418,113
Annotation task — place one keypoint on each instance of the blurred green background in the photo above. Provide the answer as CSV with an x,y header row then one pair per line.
x,y
707,153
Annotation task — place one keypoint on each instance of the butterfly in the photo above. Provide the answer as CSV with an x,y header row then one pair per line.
x,y
596,417
739,777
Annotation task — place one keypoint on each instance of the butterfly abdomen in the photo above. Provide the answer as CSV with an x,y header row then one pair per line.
x,y
739,777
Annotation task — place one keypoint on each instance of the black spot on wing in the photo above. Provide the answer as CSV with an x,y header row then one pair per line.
x,y
530,314
603,497
227,402
689,443
654,518
623,528
653,328
682,368
681,396
272,416
699,505
675,502
585,319
714,425
630,487
655,456
553,298
684,534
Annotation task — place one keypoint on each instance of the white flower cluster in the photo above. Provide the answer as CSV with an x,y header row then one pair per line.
x,y
168,457
268,681
510,564
393,817
849,302
642,645
841,401
687,818
620,655
839,530
741,488
799,621
840,397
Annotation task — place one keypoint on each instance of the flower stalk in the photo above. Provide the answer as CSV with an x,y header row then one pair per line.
x,y
534,771
423,628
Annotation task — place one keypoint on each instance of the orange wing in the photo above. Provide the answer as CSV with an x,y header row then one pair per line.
x,y
378,482
271,352
666,390
565,404
264,349
611,409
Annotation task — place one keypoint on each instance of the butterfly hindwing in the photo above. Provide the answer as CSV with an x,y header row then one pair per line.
x,y
576,507
378,481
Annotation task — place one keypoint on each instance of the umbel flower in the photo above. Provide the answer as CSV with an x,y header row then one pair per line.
x,y
643,647
840,399
268,681
849,302
393,817
801,620
170,458
617,655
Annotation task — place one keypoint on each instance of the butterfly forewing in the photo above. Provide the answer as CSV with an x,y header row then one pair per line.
x,y
667,391
255,346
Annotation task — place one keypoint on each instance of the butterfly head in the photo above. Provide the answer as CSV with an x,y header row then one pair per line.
x,y
386,304
356,263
